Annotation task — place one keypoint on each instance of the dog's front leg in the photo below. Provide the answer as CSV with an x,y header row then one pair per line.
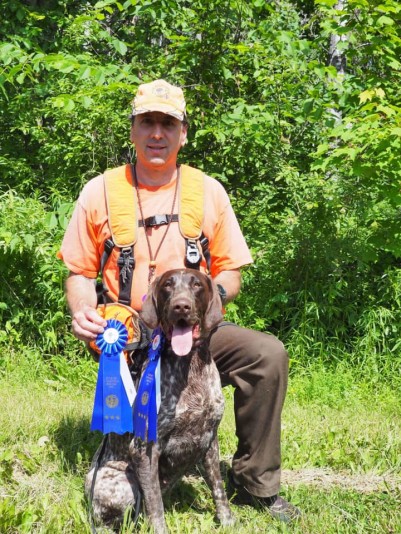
x,y
146,460
215,482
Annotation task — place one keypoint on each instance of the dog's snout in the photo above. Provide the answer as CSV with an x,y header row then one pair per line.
x,y
182,305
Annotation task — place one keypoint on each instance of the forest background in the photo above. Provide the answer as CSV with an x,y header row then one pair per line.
x,y
295,107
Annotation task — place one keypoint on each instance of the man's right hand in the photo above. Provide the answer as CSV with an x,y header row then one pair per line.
x,y
87,324
82,301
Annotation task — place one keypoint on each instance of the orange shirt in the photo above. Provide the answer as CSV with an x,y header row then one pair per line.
x,y
83,242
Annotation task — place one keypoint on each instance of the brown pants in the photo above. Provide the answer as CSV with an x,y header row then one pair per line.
x,y
256,364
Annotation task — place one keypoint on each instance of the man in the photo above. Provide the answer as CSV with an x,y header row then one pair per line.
x,y
256,364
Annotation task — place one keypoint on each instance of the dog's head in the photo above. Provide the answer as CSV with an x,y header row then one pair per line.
x,y
187,306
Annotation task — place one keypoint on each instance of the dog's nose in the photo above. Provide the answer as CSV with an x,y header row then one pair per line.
x,y
182,306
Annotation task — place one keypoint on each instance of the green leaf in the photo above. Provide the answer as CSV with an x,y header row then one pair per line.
x,y
87,102
64,102
29,240
64,65
366,95
227,73
120,47
307,106
385,21
21,78
327,3
84,72
104,3
36,16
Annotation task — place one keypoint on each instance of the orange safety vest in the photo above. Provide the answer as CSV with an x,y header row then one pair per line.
x,y
123,219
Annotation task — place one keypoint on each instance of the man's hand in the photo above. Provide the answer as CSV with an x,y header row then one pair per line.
x,y
81,298
87,324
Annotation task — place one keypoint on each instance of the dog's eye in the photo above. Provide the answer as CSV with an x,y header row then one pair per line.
x,y
167,283
197,284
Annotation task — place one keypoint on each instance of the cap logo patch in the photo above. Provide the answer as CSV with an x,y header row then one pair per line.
x,y
161,92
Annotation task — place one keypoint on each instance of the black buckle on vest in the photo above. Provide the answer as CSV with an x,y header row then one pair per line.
x,y
158,220
126,263
192,255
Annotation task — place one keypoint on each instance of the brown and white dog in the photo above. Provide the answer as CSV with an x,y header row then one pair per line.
x,y
187,306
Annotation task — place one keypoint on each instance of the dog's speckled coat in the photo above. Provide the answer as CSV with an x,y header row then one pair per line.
x,y
192,405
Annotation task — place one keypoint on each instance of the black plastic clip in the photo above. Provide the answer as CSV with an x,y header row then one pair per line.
x,y
126,263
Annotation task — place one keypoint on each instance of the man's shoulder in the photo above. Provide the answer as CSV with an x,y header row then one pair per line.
x,y
215,187
92,194
93,186
212,183
94,182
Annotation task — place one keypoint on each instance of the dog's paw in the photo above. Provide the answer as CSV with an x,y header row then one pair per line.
x,y
225,518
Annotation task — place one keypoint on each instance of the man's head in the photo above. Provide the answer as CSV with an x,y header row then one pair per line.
x,y
159,127
159,96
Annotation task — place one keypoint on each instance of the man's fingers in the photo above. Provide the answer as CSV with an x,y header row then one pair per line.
x,y
93,316
86,325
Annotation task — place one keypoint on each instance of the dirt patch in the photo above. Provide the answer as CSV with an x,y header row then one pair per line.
x,y
325,478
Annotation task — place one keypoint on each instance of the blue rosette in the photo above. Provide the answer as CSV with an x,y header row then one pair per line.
x,y
147,400
114,338
112,410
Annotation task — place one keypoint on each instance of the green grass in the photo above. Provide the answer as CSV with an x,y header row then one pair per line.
x,y
331,420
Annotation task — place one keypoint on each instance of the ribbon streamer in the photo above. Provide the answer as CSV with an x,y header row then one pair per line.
x,y
147,401
112,411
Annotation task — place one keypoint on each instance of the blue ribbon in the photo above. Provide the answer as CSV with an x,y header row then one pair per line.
x,y
112,411
145,407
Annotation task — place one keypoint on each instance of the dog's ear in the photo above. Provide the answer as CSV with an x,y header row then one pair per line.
x,y
148,314
214,312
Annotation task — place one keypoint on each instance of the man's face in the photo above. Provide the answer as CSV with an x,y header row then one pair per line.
x,y
158,138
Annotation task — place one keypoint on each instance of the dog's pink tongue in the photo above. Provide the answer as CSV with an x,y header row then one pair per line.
x,y
181,340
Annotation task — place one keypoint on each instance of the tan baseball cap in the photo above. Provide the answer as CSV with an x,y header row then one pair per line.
x,y
159,96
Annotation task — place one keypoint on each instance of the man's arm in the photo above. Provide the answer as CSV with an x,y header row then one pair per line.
x,y
231,282
82,301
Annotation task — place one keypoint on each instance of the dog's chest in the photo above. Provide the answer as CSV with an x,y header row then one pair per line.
x,y
192,405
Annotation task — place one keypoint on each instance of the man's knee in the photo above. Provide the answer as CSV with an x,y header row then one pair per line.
x,y
268,354
247,354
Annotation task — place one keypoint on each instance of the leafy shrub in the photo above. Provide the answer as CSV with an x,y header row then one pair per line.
x,y
32,305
